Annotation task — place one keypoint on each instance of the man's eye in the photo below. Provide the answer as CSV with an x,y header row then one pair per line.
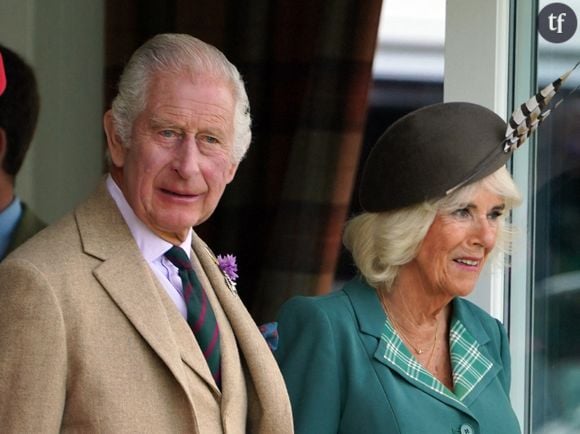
x,y
210,139
167,134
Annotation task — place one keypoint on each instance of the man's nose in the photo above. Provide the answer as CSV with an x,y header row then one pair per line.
x,y
187,157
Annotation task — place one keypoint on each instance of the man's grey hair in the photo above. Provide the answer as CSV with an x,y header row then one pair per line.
x,y
174,53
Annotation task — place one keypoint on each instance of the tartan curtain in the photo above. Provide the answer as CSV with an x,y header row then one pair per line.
x,y
307,67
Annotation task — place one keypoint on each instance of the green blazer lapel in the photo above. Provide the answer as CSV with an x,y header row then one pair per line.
x,y
272,408
127,278
388,353
367,307
471,366
392,353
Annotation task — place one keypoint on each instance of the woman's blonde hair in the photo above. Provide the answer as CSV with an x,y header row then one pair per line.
x,y
381,243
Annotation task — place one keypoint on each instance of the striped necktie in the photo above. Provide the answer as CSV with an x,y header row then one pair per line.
x,y
200,315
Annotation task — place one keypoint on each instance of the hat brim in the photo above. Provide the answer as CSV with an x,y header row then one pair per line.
x,y
429,153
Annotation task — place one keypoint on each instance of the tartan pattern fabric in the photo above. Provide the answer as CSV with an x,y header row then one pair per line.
x,y
308,88
468,364
200,315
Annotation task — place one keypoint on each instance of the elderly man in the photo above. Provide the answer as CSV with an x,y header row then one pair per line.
x,y
117,318
19,105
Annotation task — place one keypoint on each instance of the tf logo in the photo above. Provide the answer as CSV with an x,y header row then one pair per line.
x,y
557,22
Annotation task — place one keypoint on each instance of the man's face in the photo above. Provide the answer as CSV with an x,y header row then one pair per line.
x,y
179,159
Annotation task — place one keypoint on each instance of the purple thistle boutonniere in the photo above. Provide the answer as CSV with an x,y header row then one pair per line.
x,y
229,267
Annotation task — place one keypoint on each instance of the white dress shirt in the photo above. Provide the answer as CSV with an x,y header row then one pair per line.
x,y
153,248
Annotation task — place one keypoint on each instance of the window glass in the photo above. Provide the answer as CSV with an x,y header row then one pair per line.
x,y
407,74
555,397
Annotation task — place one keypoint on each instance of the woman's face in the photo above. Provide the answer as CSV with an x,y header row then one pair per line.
x,y
457,245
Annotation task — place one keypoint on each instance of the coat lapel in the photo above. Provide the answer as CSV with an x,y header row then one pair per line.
x,y
391,353
126,277
272,405
233,392
191,353
472,363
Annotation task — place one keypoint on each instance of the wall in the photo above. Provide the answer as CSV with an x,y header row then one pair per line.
x,y
476,70
63,41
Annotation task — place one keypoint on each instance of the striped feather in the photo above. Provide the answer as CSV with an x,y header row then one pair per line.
x,y
526,118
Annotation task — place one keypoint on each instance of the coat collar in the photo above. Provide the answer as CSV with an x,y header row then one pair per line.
x,y
367,307
372,321
371,317
271,403
128,280
233,385
126,277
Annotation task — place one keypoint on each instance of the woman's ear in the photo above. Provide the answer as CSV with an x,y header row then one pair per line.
x,y
116,147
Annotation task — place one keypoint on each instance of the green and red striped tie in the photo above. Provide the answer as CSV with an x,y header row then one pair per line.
x,y
200,315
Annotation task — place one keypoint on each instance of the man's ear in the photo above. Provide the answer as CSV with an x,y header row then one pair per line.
x,y
116,147
231,172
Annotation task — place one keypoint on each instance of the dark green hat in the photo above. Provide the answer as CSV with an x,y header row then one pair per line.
x,y
431,151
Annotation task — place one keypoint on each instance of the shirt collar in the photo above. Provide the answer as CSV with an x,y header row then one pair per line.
x,y
9,219
151,245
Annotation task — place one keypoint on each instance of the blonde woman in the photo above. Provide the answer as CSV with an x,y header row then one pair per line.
x,y
398,349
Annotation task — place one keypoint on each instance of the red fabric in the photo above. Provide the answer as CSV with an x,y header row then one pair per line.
x,y
2,76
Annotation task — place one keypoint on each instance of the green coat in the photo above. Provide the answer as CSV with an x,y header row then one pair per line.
x,y
28,225
347,372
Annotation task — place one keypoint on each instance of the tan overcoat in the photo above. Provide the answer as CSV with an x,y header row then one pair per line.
x,y
91,343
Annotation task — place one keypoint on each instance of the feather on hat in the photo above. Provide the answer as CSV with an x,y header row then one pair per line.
x,y
437,149
526,118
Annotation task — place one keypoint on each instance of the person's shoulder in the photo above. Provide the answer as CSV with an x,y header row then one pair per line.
x,y
54,241
333,307
471,307
473,315
28,225
333,299
30,219
353,292
62,239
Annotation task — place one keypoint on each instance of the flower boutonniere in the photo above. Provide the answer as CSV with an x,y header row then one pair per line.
x,y
229,267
